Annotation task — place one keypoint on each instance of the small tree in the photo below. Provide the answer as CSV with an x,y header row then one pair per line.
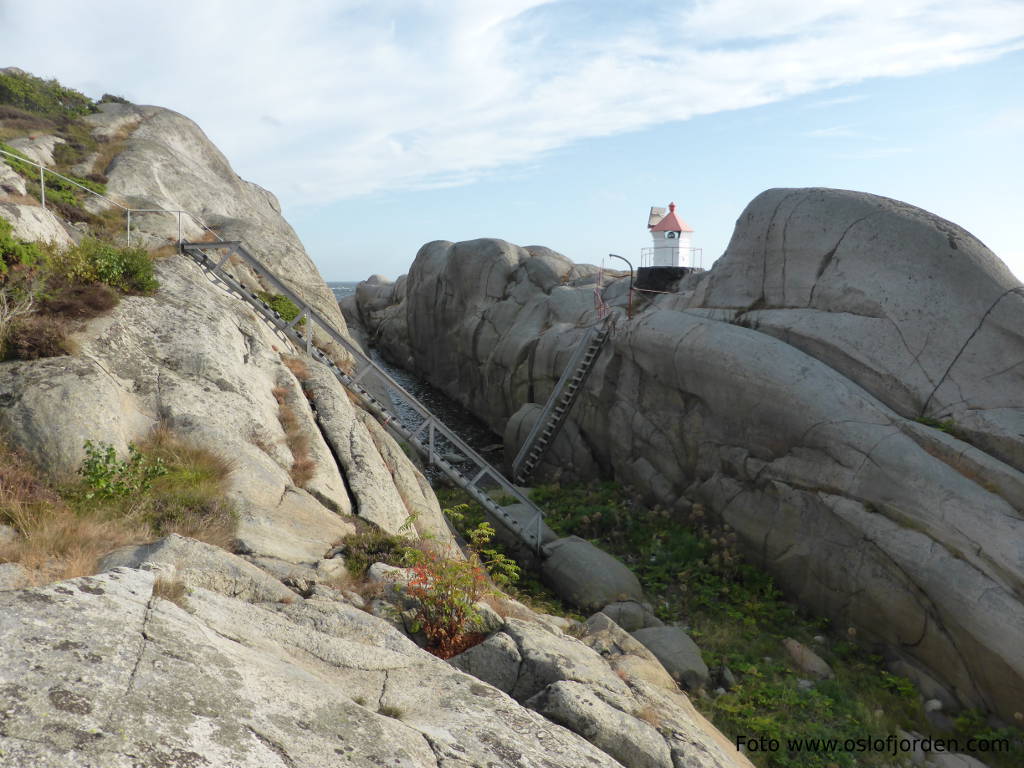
x,y
446,588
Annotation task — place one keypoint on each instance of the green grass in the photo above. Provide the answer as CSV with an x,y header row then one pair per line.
x,y
371,544
692,572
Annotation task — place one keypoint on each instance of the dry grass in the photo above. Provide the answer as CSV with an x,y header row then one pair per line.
x,y
650,715
171,589
164,251
297,366
20,199
111,148
303,465
189,500
63,535
53,542
80,301
38,336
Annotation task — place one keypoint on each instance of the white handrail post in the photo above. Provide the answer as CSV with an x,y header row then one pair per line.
x,y
179,230
129,227
42,185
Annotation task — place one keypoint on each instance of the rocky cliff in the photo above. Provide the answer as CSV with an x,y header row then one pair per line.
x,y
843,388
179,653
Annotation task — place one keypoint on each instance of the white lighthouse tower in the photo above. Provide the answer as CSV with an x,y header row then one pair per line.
x,y
672,239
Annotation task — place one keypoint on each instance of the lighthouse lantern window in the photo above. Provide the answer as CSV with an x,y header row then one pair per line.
x,y
670,235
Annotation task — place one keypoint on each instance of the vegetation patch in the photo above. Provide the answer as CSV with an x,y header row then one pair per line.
x,y
44,291
284,306
303,465
46,98
694,575
371,544
446,589
165,485
528,588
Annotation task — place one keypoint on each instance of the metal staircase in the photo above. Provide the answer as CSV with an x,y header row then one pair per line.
x,y
440,446
552,417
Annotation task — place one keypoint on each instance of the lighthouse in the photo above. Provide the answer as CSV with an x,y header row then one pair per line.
x,y
672,238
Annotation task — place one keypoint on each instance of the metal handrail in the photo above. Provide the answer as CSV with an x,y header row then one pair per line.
x,y
43,170
430,422
422,435
696,255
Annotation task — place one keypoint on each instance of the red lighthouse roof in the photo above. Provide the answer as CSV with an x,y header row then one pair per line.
x,y
671,223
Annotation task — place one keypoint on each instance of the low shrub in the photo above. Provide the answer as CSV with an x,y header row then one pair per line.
x,y
446,590
106,477
43,97
36,336
284,306
303,464
371,544
79,301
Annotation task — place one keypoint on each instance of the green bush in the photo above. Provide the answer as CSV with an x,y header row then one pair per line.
x,y
282,305
14,253
43,97
127,269
106,477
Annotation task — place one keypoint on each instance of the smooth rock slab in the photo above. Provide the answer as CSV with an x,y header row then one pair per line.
x,y
496,661
96,672
197,564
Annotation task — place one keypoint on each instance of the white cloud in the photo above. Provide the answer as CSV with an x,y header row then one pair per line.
x,y
323,100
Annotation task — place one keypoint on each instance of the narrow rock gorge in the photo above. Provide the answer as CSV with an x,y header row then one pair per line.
x,y
843,388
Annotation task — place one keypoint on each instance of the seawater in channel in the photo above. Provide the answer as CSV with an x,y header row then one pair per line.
x,y
460,421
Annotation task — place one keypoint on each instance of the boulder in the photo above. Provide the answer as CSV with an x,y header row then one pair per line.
x,y
678,654
630,658
586,576
806,660
197,564
11,182
39,149
496,661
32,223
629,740
547,658
631,615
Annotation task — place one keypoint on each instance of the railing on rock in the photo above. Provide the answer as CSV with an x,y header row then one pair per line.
x,y
439,445
128,211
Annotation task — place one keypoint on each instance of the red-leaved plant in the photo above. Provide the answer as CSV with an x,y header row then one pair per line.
x,y
446,589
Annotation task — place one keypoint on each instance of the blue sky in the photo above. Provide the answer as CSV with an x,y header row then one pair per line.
x,y
383,125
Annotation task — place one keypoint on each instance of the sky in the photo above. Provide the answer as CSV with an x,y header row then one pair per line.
x,y
385,124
